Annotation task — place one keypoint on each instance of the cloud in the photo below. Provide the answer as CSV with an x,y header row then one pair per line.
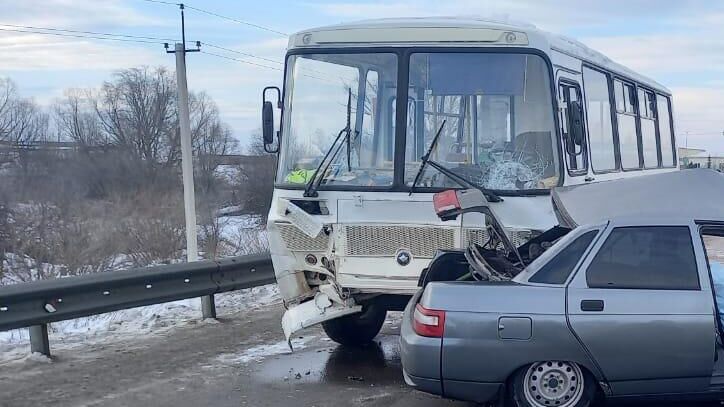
x,y
663,53
554,15
698,111
75,13
23,52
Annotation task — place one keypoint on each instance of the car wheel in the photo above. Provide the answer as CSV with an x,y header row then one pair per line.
x,y
356,329
552,384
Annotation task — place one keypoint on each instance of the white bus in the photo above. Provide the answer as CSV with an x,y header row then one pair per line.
x,y
516,111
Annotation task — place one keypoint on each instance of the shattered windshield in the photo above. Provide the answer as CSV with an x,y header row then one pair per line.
x,y
318,92
499,130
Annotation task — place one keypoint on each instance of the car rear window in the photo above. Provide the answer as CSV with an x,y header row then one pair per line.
x,y
652,257
557,270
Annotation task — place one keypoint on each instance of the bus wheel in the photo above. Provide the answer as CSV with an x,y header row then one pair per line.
x,y
356,329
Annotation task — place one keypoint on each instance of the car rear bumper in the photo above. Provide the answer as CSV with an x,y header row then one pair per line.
x,y
427,385
472,391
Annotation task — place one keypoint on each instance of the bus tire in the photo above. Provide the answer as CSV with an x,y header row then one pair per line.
x,y
356,329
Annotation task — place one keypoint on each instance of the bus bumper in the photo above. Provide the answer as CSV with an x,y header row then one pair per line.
x,y
312,312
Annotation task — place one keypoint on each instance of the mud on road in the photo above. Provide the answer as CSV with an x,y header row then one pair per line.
x,y
240,361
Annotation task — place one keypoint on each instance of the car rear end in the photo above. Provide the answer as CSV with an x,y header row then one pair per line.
x,y
421,346
465,339
430,333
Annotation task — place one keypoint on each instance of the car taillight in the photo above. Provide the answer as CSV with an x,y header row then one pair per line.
x,y
428,322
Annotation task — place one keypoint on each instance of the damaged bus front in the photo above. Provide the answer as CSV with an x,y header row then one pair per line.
x,y
352,224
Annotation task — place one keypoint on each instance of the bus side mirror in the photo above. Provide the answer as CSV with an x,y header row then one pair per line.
x,y
575,131
267,120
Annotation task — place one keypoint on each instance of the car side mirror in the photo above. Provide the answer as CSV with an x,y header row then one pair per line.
x,y
267,120
575,128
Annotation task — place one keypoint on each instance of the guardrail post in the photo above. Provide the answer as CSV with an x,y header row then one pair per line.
x,y
39,342
208,307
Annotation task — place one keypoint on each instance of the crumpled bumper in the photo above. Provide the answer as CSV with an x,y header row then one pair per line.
x,y
312,312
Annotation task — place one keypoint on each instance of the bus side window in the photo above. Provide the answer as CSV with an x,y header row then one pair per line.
x,y
666,136
577,155
647,117
626,120
600,127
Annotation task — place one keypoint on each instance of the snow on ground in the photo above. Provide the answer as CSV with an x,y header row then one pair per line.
x,y
14,344
229,173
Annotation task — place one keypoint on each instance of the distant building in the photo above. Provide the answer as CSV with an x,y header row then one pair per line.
x,y
695,157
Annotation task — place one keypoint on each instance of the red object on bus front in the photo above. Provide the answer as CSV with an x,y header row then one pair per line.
x,y
446,202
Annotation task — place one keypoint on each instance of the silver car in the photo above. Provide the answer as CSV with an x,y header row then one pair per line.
x,y
619,300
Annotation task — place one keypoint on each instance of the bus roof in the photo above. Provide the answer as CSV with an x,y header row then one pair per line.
x,y
457,31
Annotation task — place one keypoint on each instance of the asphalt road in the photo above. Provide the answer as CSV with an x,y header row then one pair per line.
x,y
241,361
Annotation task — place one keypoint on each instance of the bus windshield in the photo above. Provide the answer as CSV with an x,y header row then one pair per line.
x,y
318,91
499,121
497,108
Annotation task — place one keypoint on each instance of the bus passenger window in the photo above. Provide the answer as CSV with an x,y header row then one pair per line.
x,y
665,134
598,111
647,117
626,118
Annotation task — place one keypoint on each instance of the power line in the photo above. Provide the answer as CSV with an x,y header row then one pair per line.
x,y
236,20
30,27
162,2
80,36
258,57
262,65
241,60
211,13
241,53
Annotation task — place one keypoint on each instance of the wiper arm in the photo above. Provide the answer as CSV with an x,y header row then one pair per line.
x,y
425,158
311,188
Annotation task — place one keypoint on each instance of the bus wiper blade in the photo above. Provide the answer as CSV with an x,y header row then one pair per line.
x,y
311,188
425,158
489,195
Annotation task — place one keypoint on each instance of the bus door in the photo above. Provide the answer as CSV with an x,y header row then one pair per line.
x,y
571,115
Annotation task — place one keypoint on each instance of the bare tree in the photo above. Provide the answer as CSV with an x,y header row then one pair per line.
x,y
210,138
137,110
76,120
21,120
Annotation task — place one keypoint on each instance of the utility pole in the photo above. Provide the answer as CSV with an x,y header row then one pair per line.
x,y
208,308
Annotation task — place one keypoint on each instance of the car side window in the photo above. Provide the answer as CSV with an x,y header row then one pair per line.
x,y
650,257
557,270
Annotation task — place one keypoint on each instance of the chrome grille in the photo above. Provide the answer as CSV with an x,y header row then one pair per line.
x,y
296,240
421,241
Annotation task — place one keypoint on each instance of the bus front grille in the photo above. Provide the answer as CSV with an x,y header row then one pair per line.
x,y
296,240
386,240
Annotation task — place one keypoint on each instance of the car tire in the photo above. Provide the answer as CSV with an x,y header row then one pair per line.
x,y
552,384
356,329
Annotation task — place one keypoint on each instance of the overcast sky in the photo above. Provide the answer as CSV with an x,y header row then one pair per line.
x,y
677,42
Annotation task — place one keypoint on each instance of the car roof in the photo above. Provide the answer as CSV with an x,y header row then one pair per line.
x,y
696,194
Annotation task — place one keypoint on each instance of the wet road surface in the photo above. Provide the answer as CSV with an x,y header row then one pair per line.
x,y
241,361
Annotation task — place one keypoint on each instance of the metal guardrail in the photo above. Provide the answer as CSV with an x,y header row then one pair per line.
x,y
38,303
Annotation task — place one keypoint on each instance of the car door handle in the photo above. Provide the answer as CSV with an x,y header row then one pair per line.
x,y
592,305
589,179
